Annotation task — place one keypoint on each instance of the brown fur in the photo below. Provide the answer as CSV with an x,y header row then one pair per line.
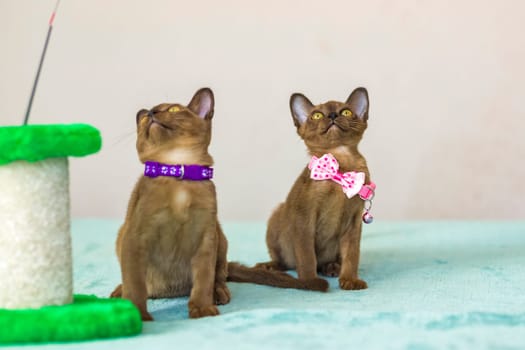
x,y
241,273
171,243
317,228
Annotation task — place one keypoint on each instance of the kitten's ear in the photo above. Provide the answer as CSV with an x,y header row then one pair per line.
x,y
140,113
202,103
358,102
300,107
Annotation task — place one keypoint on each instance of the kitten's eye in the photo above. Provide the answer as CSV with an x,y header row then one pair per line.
x,y
346,113
174,109
317,115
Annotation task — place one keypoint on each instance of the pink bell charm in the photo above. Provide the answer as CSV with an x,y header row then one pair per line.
x,y
367,218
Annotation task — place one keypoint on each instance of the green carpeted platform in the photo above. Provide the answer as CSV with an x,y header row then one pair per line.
x,y
40,141
88,317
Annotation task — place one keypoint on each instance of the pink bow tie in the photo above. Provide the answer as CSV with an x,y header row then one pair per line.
x,y
327,168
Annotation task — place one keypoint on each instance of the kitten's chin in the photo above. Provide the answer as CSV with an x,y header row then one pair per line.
x,y
181,155
333,128
156,126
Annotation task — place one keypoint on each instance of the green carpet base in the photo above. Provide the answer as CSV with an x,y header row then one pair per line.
x,y
88,317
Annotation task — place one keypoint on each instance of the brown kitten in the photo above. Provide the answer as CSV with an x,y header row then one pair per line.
x,y
317,228
171,243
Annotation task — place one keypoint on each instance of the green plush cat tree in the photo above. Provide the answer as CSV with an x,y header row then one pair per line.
x,y
36,293
36,272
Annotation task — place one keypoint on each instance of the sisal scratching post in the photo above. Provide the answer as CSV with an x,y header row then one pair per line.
x,y
35,237
35,240
36,267
36,297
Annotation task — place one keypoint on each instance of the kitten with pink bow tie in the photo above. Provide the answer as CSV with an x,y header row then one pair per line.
x,y
318,228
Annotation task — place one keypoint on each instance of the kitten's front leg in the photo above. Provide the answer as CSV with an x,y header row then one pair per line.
x,y
304,252
222,293
350,248
133,266
203,266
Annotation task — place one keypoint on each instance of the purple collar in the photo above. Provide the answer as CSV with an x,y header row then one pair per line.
x,y
180,171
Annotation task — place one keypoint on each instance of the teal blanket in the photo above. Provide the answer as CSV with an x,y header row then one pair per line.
x,y
432,285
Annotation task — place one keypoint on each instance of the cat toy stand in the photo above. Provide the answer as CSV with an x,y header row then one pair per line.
x,y
36,297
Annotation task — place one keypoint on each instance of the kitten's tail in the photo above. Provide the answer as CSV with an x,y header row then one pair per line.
x,y
241,273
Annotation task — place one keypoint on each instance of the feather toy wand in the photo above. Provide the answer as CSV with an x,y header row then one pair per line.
x,y
35,83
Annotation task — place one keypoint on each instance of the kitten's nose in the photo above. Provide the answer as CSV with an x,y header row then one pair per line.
x,y
332,115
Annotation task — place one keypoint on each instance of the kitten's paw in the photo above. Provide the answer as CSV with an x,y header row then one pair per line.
x,y
146,316
270,266
316,284
331,269
352,284
117,293
196,311
222,294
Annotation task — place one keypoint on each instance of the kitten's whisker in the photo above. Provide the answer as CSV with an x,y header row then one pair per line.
x,y
123,137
